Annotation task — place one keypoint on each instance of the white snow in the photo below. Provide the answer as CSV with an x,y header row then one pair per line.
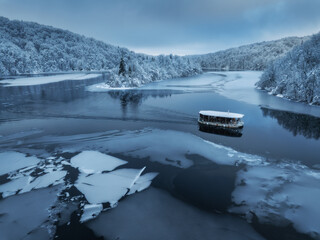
x,y
12,161
280,193
102,87
29,81
95,162
90,211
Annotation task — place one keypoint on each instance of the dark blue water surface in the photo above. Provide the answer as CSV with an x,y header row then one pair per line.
x,y
274,129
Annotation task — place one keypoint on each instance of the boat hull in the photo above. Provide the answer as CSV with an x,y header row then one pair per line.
x,y
230,132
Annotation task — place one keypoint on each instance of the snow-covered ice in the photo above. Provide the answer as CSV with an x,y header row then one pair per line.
x,y
95,162
29,81
13,161
22,215
280,194
107,187
27,183
155,214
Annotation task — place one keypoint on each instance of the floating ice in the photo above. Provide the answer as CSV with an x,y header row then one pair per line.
x,y
26,183
172,147
90,211
142,183
47,79
12,161
164,217
21,215
108,187
279,194
95,162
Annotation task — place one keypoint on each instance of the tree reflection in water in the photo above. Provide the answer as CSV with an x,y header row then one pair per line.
x,y
297,123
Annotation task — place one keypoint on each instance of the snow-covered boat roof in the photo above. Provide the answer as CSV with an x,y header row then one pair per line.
x,y
221,114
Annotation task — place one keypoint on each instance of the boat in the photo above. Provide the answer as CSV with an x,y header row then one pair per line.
x,y
220,120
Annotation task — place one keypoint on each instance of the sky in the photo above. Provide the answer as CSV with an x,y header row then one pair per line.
x,y
173,26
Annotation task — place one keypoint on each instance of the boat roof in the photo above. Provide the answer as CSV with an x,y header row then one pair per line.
x,y
221,114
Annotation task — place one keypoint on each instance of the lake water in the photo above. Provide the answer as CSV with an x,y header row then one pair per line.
x,y
247,187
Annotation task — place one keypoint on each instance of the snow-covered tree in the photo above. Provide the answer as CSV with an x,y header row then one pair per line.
x,y
27,47
296,76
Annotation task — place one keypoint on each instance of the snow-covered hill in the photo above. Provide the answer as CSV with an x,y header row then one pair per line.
x,y
248,57
27,47
296,76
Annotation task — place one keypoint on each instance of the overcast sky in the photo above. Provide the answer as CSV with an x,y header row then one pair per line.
x,y
173,26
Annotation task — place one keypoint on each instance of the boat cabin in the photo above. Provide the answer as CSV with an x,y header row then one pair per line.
x,y
221,119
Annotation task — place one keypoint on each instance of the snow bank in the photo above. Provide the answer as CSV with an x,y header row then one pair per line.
x,y
28,81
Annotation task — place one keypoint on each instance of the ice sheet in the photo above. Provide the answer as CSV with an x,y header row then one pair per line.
x,y
280,194
155,214
12,161
23,214
27,183
28,81
95,162
107,187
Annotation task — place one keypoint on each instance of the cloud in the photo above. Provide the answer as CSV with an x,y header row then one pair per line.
x,y
173,24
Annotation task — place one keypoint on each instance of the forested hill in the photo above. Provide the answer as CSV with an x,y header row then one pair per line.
x,y
27,47
248,57
296,76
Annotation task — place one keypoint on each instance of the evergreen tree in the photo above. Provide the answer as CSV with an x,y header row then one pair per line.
x,y
122,69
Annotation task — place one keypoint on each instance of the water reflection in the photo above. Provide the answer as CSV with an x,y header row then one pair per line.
x,y
58,91
297,123
221,131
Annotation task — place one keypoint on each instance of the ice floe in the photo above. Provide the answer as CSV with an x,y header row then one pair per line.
x,y
28,81
13,161
95,162
107,187
27,183
280,194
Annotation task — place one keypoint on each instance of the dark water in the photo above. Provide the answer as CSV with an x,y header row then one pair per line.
x,y
66,108
29,113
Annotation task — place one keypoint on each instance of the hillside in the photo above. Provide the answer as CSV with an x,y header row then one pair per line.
x,y
248,57
27,47
296,76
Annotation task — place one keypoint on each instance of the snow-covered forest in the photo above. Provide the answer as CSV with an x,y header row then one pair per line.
x,y
27,47
296,76
248,57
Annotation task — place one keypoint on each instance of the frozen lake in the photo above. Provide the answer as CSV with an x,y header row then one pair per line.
x,y
120,163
